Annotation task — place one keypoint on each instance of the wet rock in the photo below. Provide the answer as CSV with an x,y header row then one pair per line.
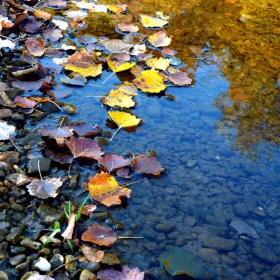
x,y
209,255
275,271
18,117
73,181
72,265
45,165
23,266
29,243
17,206
86,274
42,264
91,266
17,259
32,139
13,237
56,261
2,234
17,249
69,109
265,254
3,276
52,218
166,227
220,243
50,107
152,246
44,251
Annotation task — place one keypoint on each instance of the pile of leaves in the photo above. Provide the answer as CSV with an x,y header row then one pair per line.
x,y
40,35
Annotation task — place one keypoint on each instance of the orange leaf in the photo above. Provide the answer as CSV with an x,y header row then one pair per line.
x,y
92,255
24,102
42,14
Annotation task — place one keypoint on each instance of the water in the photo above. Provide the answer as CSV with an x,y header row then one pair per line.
x,y
218,140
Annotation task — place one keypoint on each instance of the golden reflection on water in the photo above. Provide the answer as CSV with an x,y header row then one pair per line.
x,y
244,36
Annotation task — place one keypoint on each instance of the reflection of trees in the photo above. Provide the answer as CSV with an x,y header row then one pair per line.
x,y
244,37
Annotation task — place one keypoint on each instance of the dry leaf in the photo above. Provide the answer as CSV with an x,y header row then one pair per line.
x,y
52,35
24,102
92,255
112,162
125,27
68,233
159,39
35,47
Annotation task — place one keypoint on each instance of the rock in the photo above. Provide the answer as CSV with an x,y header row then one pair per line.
x,y
17,249
3,276
32,139
17,206
29,243
50,107
13,237
17,259
56,261
275,271
166,227
43,264
220,243
209,255
72,265
52,218
265,254
45,165
240,210
23,266
86,274
91,266
18,117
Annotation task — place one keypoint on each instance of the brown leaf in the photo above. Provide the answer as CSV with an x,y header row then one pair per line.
x,y
59,156
92,255
85,130
33,26
99,235
52,52
123,173
68,233
146,164
168,51
6,101
31,85
88,209
113,162
180,78
55,132
24,102
84,147
35,47
52,35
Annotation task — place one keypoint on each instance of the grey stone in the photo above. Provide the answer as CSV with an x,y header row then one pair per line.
x,y
18,117
275,271
45,165
209,255
166,227
220,243
56,261
29,243
17,249
265,254
13,237
91,266
33,139
3,276
17,259
50,107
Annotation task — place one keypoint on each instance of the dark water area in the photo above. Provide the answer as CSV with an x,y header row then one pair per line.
x,y
219,140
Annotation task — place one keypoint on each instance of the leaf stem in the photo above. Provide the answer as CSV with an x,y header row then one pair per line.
x,y
108,77
14,144
115,133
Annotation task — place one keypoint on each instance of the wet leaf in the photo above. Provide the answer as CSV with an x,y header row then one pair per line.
x,y
33,26
125,274
241,227
84,147
59,156
44,189
6,131
4,86
55,3
180,78
83,63
6,101
35,46
68,233
118,98
25,102
52,35
125,27
42,15
122,57
105,189
168,51
128,88
99,235
117,46
115,8
123,119
123,173
159,39
162,16
118,66
146,164
150,22
37,276
92,255
138,49
88,209
19,179
158,63
63,25
150,81
55,132
84,129
74,79
112,162
31,85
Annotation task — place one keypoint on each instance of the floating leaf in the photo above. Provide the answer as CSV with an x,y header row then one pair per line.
x,y
55,132
168,51
105,189
92,255
146,164
242,227
83,63
159,39
35,46
117,46
87,39
52,35
31,85
112,162
135,38
180,78
44,188
123,119
150,81
6,131
128,88
63,25
42,15
125,27
55,3
84,147
150,22
74,79
99,235
84,129
59,156
24,102
118,66
118,98
125,274
158,63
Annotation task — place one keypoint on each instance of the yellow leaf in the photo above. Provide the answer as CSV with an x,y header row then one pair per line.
x,y
150,81
115,8
42,14
148,21
158,63
128,88
118,66
159,39
119,99
123,119
105,189
83,63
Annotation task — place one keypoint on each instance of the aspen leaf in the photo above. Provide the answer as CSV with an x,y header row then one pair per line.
x,y
146,164
24,102
127,27
180,78
118,66
159,39
55,132
113,162
158,63
123,119
35,47
117,46
150,22
52,35
150,81
92,255
118,98
125,274
105,189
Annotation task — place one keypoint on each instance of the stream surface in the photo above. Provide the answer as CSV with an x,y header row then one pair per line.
x,y
219,140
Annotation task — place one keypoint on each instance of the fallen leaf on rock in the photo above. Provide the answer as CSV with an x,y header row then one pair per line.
x,y
59,156
118,98
146,164
99,235
123,119
125,274
92,255
25,102
44,188
150,22
84,147
37,276
52,35
158,63
88,209
117,46
68,233
159,39
85,130
125,27
105,189
242,227
55,132
150,81
35,46
83,63
112,162
7,131
42,15
180,78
